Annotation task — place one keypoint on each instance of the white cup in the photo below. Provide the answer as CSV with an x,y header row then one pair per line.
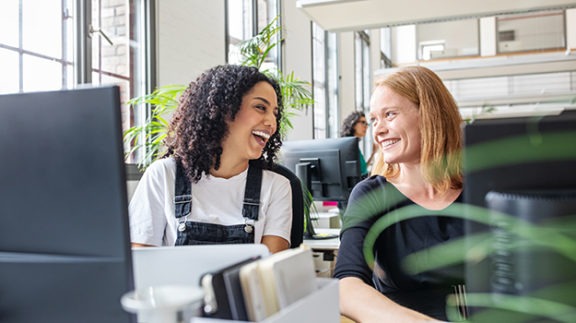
x,y
165,303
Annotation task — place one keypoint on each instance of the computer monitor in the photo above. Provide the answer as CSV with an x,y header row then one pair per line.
x,y
525,168
64,239
327,168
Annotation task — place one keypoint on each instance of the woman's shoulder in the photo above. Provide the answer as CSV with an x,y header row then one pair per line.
x,y
375,190
371,183
162,166
275,177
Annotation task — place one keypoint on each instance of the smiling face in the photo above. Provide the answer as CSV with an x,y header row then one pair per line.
x,y
255,122
395,122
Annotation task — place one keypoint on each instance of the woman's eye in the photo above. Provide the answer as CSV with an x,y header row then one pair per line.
x,y
390,114
261,107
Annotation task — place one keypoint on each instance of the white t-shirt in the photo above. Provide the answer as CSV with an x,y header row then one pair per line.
x,y
214,200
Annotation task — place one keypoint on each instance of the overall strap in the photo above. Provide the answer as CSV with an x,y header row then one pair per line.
x,y
182,192
251,205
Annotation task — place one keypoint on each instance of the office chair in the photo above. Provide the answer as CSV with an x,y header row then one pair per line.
x,y
297,233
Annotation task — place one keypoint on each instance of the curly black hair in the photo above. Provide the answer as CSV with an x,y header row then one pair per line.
x,y
349,123
199,126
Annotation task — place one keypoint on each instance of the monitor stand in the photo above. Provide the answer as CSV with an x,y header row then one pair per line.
x,y
303,173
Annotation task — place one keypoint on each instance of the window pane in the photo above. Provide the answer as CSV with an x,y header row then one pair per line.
x,y
266,12
438,40
42,27
239,27
110,41
9,66
119,53
535,31
41,74
9,22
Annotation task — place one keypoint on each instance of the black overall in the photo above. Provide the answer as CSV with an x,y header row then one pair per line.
x,y
195,233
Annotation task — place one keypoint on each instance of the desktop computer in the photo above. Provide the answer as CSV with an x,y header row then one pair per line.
x,y
64,239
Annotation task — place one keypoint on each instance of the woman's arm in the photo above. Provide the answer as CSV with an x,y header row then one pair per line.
x,y
146,209
278,225
275,243
362,303
139,245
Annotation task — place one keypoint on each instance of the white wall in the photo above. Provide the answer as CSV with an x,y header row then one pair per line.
x,y
488,36
297,57
404,44
191,38
571,29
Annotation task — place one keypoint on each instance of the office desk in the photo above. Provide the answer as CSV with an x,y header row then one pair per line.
x,y
324,251
324,244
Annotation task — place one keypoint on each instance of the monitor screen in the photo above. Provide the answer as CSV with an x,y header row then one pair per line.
x,y
64,241
329,168
524,168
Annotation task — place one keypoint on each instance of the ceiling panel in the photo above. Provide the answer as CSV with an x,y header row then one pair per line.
x,y
345,15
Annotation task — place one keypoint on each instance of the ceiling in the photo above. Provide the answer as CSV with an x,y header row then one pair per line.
x,y
346,15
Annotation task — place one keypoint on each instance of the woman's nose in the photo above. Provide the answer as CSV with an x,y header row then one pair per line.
x,y
270,121
379,127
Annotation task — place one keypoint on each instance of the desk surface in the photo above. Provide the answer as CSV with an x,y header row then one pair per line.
x,y
324,244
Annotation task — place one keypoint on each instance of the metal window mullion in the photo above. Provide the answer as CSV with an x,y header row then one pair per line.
x,y
83,46
150,84
64,37
20,48
254,10
325,60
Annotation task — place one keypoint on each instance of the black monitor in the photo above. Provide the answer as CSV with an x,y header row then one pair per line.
x,y
327,168
64,238
526,169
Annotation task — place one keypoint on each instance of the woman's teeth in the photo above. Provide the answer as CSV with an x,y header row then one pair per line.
x,y
389,142
261,134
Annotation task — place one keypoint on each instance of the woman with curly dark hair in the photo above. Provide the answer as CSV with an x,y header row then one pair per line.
x,y
212,185
355,125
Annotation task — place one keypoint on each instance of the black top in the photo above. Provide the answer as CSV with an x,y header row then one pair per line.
x,y
371,202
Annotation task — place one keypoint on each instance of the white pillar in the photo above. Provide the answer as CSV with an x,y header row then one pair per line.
x,y
488,36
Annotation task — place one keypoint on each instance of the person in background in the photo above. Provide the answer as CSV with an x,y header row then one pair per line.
x,y
212,185
355,125
417,124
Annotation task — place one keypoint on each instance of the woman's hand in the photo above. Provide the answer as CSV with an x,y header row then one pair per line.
x,y
362,303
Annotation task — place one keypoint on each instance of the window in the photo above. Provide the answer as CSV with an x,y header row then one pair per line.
x,y
48,47
245,19
325,83
431,49
362,71
533,31
439,39
35,51
363,84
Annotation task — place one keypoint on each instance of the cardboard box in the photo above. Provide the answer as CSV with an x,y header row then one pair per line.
x,y
320,306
